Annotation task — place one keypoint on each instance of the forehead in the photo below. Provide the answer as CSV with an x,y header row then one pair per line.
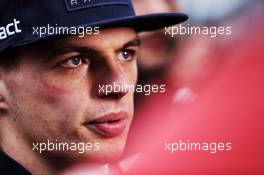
x,y
105,39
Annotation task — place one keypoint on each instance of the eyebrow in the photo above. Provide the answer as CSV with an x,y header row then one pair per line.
x,y
59,48
135,42
68,48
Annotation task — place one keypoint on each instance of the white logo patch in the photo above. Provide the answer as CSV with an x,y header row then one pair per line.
x,y
10,29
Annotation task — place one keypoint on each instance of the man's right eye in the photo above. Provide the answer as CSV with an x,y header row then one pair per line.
x,y
74,62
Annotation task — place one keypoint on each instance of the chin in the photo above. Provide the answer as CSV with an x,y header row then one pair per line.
x,y
110,153
102,157
110,150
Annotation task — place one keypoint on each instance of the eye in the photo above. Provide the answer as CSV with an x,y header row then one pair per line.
x,y
126,55
74,62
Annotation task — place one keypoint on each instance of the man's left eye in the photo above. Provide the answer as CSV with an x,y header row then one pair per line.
x,y
126,55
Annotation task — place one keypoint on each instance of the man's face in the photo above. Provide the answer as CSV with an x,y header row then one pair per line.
x,y
54,94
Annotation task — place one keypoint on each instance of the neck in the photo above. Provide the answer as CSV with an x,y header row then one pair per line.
x,y
14,145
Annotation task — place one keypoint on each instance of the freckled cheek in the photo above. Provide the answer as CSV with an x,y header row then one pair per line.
x,y
64,106
50,93
60,95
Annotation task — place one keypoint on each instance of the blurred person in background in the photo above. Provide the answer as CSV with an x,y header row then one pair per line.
x,y
214,93
157,49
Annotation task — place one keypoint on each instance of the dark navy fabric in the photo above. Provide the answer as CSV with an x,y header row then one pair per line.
x,y
10,167
74,13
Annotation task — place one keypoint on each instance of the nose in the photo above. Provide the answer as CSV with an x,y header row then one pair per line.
x,y
112,91
112,81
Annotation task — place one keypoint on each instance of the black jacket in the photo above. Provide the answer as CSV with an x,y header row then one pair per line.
x,y
10,167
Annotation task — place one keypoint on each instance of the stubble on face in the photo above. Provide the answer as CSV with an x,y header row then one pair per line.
x,y
50,102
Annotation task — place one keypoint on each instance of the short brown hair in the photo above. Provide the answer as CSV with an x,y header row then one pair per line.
x,y
9,59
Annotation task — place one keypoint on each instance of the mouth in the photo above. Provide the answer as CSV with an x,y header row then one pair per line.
x,y
109,125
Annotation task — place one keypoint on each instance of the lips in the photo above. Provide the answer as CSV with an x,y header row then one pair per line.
x,y
109,125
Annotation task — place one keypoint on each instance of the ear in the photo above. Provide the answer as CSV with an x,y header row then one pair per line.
x,y
3,104
3,95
